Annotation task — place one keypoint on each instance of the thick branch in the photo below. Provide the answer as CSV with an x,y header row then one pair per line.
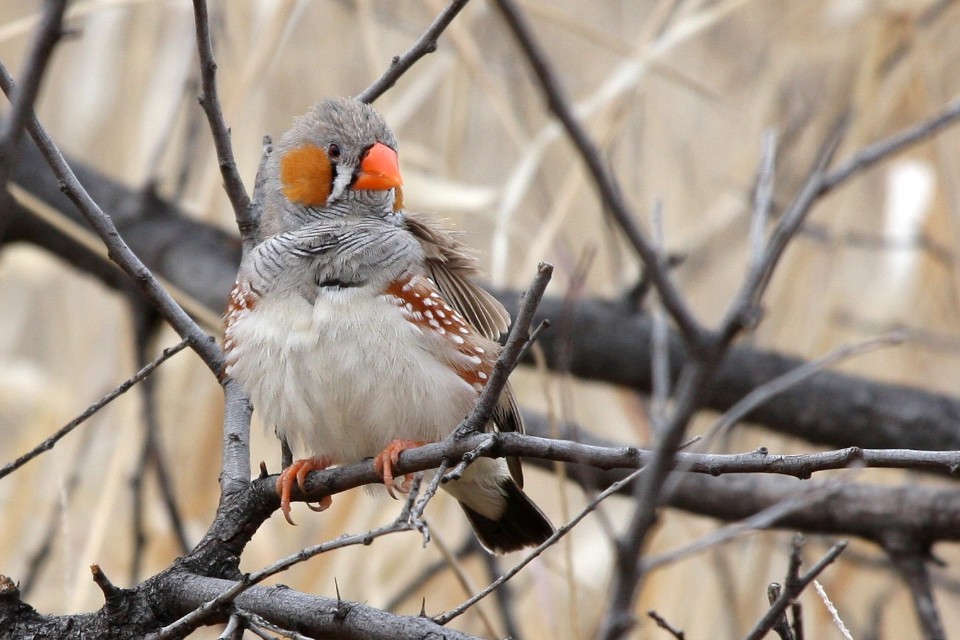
x,y
314,616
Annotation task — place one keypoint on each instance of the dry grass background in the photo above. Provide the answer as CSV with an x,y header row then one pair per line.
x,y
678,93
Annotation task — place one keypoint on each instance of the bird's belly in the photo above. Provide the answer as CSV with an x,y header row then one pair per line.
x,y
345,376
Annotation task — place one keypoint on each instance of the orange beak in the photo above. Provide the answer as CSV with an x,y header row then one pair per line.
x,y
379,169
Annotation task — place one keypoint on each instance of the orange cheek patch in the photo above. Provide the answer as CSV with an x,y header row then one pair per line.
x,y
306,174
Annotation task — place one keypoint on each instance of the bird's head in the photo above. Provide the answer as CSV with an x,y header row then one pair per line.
x,y
338,148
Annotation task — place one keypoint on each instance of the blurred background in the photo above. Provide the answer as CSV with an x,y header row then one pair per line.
x,y
678,94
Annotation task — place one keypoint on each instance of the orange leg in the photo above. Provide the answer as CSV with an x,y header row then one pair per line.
x,y
298,472
390,456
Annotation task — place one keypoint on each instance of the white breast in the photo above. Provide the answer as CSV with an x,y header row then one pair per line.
x,y
345,376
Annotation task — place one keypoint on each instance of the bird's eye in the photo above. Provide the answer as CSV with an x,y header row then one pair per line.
x,y
333,151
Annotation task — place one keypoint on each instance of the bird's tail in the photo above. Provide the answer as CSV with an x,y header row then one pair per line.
x,y
521,524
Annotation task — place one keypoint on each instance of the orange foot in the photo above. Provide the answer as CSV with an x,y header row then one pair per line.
x,y
298,471
390,456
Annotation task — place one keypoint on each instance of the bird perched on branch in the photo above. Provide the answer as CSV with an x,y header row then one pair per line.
x,y
356,327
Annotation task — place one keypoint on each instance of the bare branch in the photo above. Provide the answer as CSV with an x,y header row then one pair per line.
x,y
49,443
762,198
259,621
24,95
821,181
801,466
834,614
606,185
910,560
512,350
314,616
427,43
212,608
236,437
791,590
549,542
205,346
881,150
767,391
663,624
782,625
210,101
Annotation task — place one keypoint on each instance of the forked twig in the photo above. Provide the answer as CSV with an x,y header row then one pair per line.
x,y
792,589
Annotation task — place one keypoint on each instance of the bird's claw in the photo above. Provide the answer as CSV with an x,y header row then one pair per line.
x,y
297,472
390,457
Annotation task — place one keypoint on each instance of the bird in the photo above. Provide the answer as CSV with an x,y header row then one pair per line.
x,y
357,329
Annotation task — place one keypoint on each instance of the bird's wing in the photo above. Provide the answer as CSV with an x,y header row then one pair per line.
x,y
452,265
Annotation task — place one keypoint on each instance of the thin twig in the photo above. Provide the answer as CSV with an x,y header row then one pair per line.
x,y
834,614
210,101
561,531
660,352
869,155
204,345
606,185
767,391
744,310
758,521
201,614
108,589
24,95
234,624
427,43
791,591
781,627
516,341
48,444
820,181
663,624
416,513
260,621
763,198
486,444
